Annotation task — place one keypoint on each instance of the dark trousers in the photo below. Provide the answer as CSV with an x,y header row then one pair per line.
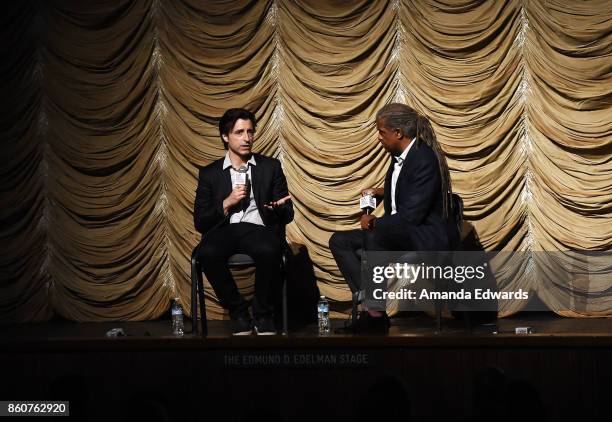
x,y
344,247
259,242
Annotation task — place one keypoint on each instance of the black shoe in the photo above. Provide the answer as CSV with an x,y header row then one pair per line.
x,y
264,326
379,324
367,324
350,324
241,326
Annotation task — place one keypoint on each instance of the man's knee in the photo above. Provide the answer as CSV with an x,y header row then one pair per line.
x,y
268,251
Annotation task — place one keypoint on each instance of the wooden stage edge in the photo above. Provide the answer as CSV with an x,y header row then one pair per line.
x,y
413,332
562,370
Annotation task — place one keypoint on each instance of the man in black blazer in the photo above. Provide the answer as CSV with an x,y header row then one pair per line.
x,y
417,201
238,217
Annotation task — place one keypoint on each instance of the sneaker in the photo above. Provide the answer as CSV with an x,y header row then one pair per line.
x,y
241,326
264,327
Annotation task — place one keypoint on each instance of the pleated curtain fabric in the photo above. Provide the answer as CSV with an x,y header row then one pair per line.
x,y
109,109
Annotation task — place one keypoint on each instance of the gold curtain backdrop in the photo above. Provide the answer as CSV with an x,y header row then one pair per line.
x,y
110,107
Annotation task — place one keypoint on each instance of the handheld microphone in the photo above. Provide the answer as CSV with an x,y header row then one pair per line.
x,y
367,203
242,175
242,178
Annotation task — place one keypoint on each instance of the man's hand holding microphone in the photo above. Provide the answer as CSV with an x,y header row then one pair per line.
x,y
234,198
240,191
367,203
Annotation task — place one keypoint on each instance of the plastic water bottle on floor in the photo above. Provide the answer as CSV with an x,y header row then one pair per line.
x,y
323,311
177,318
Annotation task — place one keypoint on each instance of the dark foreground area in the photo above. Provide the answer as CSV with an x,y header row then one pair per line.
x,y
483,372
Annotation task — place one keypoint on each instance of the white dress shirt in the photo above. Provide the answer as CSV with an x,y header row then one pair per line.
x,y
251,214
397,167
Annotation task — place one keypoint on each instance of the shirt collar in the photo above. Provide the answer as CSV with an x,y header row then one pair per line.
x,y
400,160
227,163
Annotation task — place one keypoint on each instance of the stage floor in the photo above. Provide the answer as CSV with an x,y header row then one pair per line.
x,y
560,372
414,330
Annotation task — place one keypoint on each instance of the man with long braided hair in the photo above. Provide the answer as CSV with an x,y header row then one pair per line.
x,y
417,200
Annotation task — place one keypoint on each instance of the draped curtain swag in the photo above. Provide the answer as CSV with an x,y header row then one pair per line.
x,y
110,107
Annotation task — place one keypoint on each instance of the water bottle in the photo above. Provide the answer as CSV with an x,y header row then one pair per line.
x,y
323,311
177,318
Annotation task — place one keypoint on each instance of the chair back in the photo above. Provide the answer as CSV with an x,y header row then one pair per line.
x,y
457,212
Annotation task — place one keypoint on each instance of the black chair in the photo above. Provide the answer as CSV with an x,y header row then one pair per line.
x,y
457,209
235,261
458,218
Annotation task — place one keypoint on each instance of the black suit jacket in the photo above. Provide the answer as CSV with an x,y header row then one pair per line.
x,y
215,184
418,200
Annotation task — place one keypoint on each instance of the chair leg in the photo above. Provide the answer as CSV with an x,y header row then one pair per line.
x,y
438,308
194,297
285,317
202,304
284,299
468,320
355,305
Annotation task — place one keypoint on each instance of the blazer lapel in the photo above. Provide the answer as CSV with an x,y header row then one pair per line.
x,y
226,181
255,176
387,197
406,167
